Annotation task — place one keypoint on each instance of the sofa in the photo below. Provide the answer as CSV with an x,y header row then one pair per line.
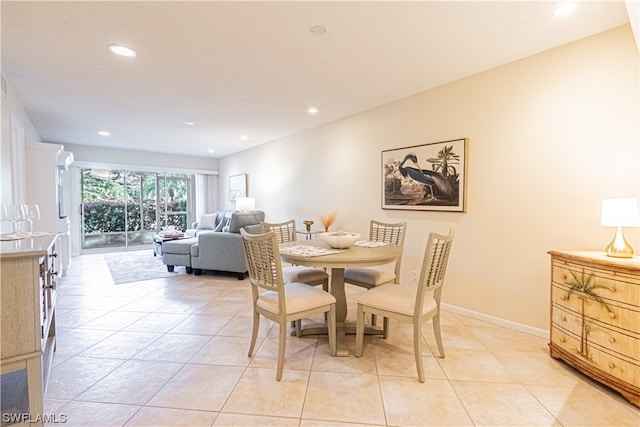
x,y
217,245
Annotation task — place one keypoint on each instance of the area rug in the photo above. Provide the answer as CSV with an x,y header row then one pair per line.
x,y
134,266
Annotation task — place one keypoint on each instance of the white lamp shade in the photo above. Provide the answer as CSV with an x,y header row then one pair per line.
x,y
620,213
245,203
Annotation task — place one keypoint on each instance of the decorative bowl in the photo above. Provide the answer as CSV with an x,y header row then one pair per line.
x,y
339,239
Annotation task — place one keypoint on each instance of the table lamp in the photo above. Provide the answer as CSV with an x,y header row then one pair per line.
x,y
620,213
245,203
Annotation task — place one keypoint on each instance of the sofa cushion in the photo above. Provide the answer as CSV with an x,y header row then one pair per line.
x,y
179,247
207,221
242,219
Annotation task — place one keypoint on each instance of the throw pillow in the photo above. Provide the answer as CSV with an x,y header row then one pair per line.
x,y
222,224
207,222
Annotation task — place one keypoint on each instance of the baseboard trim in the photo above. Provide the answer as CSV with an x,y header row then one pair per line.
x,y
496,320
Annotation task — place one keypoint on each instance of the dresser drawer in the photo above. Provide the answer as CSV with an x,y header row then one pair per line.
x,y
605,311
609,285
626,346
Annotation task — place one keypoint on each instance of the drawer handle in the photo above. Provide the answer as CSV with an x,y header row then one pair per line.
x,y
611,365
613,289
564,277
564,297
612,315
612,340
563,318
563,339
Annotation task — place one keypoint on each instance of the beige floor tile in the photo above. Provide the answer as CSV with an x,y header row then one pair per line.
x,y
325,362
394,360
76,318
408,402
183,306
502,405
133,382
344,397
173,348
168,417
483,360
114,320
74,341
83,414
232,351
157,322
584,405
539,369
298,354
241,420
201,324
474,365
242,326
504,340
198,387
76,374
452,337
121,345
258,393
223,308
146,305
325,423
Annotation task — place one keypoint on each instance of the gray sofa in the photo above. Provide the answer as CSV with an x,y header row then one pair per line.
x,y
220,250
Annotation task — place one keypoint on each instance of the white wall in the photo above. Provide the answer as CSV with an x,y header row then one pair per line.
x,y
16,128
549,137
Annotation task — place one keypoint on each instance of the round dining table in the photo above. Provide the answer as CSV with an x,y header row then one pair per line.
x,y
354,256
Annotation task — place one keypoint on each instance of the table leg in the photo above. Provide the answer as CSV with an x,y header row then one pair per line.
x,y
337,289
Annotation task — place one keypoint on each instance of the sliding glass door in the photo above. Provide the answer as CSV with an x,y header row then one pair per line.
x,y
124,209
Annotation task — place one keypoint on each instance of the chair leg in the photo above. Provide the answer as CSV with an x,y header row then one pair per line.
x,y
254,332
417,348
436,332
282,340
385,327
332,330
298,328
360,331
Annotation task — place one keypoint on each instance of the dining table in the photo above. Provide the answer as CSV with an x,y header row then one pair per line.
x,y
317,253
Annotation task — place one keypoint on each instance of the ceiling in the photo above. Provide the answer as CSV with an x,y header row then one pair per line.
x,y
253,69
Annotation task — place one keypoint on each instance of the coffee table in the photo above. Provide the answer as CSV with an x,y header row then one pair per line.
x,y
158,240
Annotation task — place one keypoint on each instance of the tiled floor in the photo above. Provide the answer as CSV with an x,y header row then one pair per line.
x,y
173,351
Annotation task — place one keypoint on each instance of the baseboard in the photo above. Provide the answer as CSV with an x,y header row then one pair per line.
x,y
496,320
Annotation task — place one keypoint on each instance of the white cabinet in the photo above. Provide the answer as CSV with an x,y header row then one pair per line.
x,y
47,186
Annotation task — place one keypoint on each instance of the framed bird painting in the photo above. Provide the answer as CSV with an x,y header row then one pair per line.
x,y
429,177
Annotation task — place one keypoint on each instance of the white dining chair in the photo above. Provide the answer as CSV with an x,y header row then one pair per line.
x,y
404,302
282,303
286,232
370,277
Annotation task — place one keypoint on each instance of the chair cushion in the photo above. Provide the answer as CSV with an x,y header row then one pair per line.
x,y
397,298
373,276
207,221
302,274
299,297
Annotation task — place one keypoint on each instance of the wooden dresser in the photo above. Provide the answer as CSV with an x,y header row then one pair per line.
x,y
595,317
28,273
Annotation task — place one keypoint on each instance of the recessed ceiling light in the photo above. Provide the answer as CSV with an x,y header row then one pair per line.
x,y
565,9
189,123
211,151
318,30
104,133
312,110
244,137
122,50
